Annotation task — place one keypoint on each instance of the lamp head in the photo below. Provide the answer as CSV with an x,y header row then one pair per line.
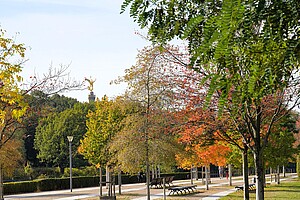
x,y
70,138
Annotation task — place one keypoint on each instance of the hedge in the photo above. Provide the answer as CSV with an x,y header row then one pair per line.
x,y
64,183
49,184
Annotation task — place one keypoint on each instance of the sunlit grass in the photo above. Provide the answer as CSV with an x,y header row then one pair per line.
x,y
286,190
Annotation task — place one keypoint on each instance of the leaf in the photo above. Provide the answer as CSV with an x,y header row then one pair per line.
x,y
124,5
192,24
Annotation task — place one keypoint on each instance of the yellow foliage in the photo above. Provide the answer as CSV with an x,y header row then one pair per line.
x,y
11,57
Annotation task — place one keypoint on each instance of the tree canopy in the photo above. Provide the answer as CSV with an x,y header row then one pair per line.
x,y
102,125
250,47
51,135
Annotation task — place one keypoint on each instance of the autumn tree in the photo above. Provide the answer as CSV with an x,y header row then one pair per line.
x,y
12,104
102,124
250,48
129,146
150,84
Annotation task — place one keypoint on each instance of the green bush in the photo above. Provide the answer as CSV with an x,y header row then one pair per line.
x,y
45,172
89,181
20,187
86,171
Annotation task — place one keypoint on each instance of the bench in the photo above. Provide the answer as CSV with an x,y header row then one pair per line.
x,y
169,180
182,189
158,182
251,187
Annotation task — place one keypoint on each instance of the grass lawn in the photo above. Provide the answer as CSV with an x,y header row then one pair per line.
x,y
286,190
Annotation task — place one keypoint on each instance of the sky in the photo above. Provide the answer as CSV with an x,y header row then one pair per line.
x,y
89,35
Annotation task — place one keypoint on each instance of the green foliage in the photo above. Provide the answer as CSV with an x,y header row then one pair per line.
x,y
61,103
45,172
40,106
85,171
52,131
20,187
102,124
28,170
251,49
247,42
165,19
280,149
49,184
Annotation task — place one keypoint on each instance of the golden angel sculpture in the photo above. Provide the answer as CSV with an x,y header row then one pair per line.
x,y
91,82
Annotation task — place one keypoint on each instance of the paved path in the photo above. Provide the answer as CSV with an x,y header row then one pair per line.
x,y
216,182
219,188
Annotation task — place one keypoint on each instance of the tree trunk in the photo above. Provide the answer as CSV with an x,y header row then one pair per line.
x,y
1,183
230,174
119,180
191,175
298,165
61,169
271,174
158,168
278,174
259,168
100,180
206,177
107,179
147,175
202,175
245,173
264,177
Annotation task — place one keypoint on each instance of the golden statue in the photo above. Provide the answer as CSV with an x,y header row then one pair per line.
x,y
91,82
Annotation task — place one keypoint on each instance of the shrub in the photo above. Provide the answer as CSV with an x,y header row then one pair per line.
x,y
20,187
86,171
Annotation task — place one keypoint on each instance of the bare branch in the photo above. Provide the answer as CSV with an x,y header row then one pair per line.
x,y
57,80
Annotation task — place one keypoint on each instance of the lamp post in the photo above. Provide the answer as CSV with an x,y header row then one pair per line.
x,y
70,139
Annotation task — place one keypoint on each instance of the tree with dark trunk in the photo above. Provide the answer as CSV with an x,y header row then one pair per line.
x,y
251,49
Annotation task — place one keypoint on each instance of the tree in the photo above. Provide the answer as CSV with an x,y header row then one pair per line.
x,y
149,84
252,51
280,148
51,135
102,124
40,106
56,80
131,155
297,144
12,104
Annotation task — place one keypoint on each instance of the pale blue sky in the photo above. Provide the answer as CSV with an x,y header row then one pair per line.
x,y
90,34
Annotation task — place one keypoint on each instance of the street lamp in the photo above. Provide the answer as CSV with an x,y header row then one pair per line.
x,y
70,139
